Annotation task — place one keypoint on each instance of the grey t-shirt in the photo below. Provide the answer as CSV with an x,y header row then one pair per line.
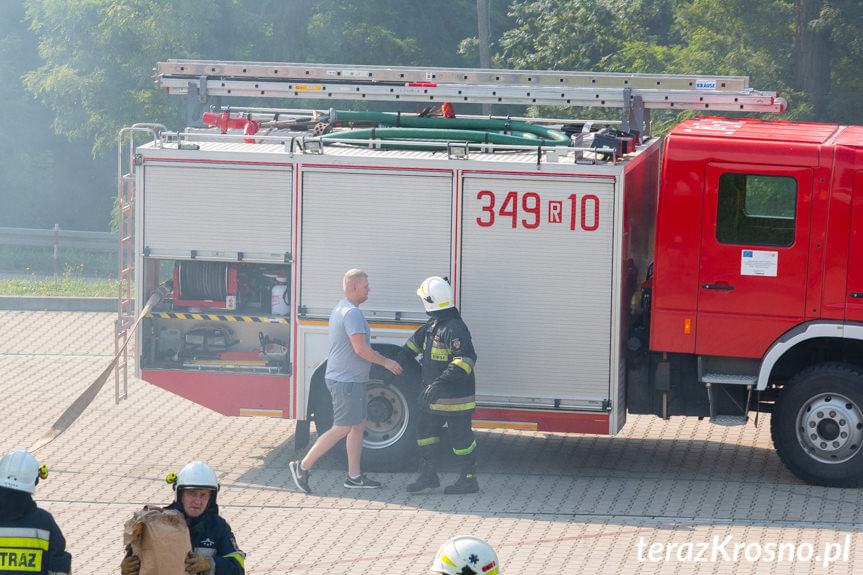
x,y
343,363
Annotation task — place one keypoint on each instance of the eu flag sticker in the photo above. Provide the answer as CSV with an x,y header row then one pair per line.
x,y
759,263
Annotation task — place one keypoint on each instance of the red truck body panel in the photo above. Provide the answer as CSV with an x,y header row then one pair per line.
x,y
218,391
843,266
705,300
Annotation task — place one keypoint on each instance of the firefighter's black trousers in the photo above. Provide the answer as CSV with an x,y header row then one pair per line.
x,y
461,436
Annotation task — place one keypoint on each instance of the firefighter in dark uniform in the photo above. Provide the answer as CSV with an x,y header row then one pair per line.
x,y
448,360
30,541
214,549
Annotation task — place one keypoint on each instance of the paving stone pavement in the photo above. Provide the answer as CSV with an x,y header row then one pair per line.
x,y
661,497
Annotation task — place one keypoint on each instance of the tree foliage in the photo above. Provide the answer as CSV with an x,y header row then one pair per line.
x,y
753,38
79,70
89,66
98,54
44,178
842,22
98,57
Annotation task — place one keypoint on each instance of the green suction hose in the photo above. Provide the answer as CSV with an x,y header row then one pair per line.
x,y
444,136
452,129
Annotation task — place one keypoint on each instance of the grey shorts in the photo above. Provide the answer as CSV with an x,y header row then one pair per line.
x,y
349,401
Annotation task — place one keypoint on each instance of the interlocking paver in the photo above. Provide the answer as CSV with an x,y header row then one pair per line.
x,y
550,503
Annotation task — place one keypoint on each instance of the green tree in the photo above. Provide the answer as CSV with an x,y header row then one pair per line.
x,y
391,32
561,35
98,54
810,51
590,35
20,147
829,58
44,178
736,37
98,57
711,37
92,73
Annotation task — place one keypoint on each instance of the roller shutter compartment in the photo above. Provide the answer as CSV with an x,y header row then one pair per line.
x,y
395,225
218,211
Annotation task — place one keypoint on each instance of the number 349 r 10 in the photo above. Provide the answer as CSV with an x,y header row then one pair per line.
x,y
583,212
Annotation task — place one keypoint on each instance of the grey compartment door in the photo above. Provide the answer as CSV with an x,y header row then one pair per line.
x,y
536,286
395,225
218,211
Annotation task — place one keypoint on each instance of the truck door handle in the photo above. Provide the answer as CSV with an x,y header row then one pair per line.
x,y
856,294
717,286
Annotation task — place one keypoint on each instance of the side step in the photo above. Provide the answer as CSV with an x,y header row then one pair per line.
x,y
729,420
723,378
729,379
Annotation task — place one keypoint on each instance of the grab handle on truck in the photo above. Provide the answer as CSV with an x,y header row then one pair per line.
x,y
717,286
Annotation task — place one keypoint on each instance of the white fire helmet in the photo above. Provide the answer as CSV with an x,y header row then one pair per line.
x,y
466,555
196,474
436,294
20,471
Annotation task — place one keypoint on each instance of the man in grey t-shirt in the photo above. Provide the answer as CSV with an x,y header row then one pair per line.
x,y
348,365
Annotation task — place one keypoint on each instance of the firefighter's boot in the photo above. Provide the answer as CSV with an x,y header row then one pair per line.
x,y
466,482
427,479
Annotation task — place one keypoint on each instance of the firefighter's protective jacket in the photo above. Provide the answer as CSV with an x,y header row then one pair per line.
x,y
30,540
448,360
212,537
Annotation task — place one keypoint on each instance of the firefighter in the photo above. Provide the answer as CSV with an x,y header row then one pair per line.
x,y
30,540
448,360
214,549
466,555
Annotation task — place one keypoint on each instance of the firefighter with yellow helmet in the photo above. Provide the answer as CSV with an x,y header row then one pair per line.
x,y
30,540
448,360
466,555
214,549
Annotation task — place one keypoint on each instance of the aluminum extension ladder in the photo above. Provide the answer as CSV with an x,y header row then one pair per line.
x,y
637,94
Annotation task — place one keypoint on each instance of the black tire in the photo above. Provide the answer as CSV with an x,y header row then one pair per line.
x,y
321,402
817,425
389,442
301,434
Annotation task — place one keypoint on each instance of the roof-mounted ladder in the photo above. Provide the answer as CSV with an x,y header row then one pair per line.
x,y
635,93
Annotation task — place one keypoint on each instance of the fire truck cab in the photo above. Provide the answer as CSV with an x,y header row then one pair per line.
x,y
756,285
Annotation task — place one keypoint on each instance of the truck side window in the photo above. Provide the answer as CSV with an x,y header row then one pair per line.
x,y
756,209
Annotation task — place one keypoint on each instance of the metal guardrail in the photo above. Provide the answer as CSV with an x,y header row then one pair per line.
x,y
59,238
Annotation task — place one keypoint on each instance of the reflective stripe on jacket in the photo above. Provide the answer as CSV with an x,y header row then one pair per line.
x,y
33,544
448,360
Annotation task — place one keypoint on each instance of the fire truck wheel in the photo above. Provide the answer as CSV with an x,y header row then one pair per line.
x,y
817,425
389,443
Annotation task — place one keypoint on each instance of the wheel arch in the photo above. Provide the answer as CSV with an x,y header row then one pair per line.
x,y
809,344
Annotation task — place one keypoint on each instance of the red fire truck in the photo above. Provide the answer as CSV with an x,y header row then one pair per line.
x,y
714,273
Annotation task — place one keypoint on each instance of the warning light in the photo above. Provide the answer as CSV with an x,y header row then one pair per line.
x,y
687,326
